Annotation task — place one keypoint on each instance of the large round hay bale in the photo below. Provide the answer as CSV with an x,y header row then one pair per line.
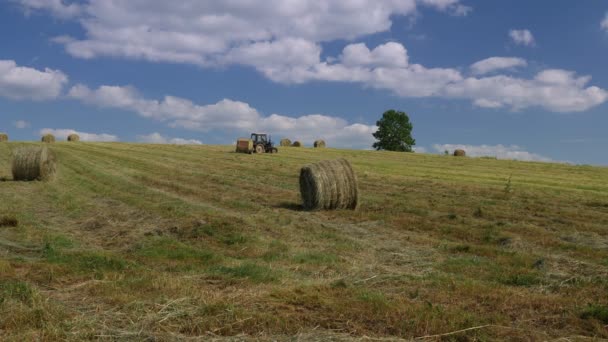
x,y
329,184
48,138
34,163
285,142
296,144
3,137
319,143
459,153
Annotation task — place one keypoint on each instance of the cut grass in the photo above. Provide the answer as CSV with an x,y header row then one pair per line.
x,y
183,242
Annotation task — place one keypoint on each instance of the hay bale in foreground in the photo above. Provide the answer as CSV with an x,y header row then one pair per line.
x,y
3,137
48,138
459,153
329,184
73,137
285,142
296,144
319,144
34,163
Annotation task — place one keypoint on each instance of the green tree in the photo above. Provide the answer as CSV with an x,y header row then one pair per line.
x,y
394,132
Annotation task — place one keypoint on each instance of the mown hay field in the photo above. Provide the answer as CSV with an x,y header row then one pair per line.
x,y
135,242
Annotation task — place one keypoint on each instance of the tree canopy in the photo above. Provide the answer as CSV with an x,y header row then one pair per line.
x,y
394,132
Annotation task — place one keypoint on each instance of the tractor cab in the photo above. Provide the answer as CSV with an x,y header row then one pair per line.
x,y
262,143
258,138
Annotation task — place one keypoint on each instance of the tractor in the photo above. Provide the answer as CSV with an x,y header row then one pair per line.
x,y
258,143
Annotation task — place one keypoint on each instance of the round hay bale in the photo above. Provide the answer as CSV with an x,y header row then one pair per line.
x,y
48,138
3,137
285,142
34,163
319,143
73,137
296,144
459,153
329,184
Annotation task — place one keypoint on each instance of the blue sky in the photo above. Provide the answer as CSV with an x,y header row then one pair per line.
x,y
514,79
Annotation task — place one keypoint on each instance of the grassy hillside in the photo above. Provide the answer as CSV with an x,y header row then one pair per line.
x,y
140,241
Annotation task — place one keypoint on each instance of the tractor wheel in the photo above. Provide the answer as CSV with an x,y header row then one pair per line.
x,y
274,150
259,149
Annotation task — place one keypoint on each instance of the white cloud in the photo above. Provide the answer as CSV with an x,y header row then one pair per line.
x,y
499,151
59,8
21,83
454,7
283,40
228,115
157,138
554,90
63,134
386,55
497,63
522,37
604,23
21,124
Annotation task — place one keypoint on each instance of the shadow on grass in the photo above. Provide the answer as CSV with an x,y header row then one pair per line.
x,y
290,206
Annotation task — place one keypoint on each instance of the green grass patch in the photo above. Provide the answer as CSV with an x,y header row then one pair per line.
x,y
171,249
277,250
595,311
16,290
250,271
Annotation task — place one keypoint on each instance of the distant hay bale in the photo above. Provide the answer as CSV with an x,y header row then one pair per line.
x,y
34,163
319,143
3,137
296,144
329,184
73,137
285,142
459,153
48,138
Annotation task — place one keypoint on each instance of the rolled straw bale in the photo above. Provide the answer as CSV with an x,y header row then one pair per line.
x,y
285,142
319,143
73,137
329,184
3,137
296,144
34,163
48,138
459,153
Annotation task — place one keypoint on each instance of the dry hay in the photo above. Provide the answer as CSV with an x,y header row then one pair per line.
x,y
34,163
319,143
48,138
285,142
296,144
73,137
459,153
3,137
329,184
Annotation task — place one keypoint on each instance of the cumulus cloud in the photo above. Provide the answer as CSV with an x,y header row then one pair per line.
x,y
63,133
604,23
157,138
497,63
512,152
227,115
283,41
21,83
21,124
522,37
